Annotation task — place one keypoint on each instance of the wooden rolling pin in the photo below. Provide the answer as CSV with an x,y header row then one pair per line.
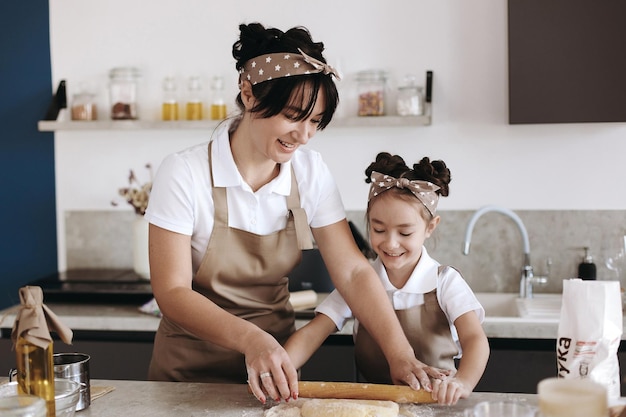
x,y
350,390
301,300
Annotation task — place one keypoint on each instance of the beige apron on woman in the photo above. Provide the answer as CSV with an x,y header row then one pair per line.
x,y
246,275
428,331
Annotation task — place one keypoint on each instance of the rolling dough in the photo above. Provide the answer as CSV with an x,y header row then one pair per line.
x,y
290,409
315,407
349,408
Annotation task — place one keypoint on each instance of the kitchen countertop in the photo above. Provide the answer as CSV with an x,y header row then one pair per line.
x,y
110,317
103,317
128,318
156,399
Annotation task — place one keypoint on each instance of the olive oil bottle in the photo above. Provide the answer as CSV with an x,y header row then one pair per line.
x,y
35,372
34,347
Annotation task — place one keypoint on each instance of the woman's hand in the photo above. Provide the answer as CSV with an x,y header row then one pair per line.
x,y
447,391
270,371
415,374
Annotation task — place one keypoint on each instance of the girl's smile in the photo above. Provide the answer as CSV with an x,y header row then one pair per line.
x,y
397,234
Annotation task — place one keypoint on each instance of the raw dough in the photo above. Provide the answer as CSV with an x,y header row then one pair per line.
x,y
349,408
336,408
290,409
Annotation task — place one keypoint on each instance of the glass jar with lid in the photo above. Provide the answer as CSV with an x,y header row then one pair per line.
x,y
371,87
410,98
194,109
123,83
169,107
218,105
84,106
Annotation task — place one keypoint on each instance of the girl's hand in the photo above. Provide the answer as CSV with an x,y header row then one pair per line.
x,y
447,391
270,371
415,374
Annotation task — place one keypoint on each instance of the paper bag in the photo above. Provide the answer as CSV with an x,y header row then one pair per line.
x,y
590,330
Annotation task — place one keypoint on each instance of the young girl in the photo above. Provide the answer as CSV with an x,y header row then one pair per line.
x,y
438,311
228,220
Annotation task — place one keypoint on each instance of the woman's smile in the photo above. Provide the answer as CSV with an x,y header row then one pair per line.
x,y
288,146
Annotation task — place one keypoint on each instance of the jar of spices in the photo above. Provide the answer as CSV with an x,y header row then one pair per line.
x,y
371,89
123,91
84,106
410,98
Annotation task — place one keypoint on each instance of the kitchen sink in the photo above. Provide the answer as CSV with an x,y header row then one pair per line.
x,y
502,305
541,306
498,304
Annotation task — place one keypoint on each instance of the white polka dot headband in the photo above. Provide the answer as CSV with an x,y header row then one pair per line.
x,y
282,64
425,191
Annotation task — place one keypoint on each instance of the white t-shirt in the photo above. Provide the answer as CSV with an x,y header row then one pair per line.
x,y
181,199
453,294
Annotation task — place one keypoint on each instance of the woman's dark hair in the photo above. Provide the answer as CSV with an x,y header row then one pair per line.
x,y
434,171
275,95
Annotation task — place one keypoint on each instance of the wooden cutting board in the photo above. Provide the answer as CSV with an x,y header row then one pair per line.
x,y
401,394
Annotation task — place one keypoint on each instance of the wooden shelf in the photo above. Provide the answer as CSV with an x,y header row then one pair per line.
x,y
63,123
386,121
63,120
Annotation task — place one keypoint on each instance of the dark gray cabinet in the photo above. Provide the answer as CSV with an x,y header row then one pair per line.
x,y
117,357
126,355
517,365
566,61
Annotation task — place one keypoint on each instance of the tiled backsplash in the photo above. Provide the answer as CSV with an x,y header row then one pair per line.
x,y
102,239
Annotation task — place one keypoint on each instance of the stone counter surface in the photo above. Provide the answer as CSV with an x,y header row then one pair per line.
x,y
128,318
156,399
113,318
97,317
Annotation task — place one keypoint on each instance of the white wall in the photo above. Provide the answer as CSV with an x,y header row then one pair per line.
x,y
564,166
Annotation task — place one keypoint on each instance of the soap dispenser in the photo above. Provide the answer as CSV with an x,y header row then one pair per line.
x,y
587,269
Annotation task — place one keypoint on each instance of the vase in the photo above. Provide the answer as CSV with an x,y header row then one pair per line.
x,y
141,262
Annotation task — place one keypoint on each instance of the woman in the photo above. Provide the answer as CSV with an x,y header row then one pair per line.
x,y
228,220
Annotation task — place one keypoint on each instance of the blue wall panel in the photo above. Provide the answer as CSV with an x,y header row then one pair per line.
x,y
28,240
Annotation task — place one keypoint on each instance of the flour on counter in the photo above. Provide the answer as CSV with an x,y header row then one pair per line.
x,y
416,410
334,407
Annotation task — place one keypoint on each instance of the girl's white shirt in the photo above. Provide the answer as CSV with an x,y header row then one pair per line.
x,y
453,294
181,199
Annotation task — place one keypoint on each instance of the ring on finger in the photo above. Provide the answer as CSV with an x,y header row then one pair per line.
x,y
265,375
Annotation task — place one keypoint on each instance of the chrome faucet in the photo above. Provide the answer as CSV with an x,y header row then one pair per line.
x,y
527,276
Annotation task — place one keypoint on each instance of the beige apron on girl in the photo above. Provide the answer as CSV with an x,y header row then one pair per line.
x,y
428,331
246,275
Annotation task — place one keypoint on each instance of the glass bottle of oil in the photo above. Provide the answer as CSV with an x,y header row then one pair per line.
x,y
35,372
194,101
33,346
218,106
170,100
